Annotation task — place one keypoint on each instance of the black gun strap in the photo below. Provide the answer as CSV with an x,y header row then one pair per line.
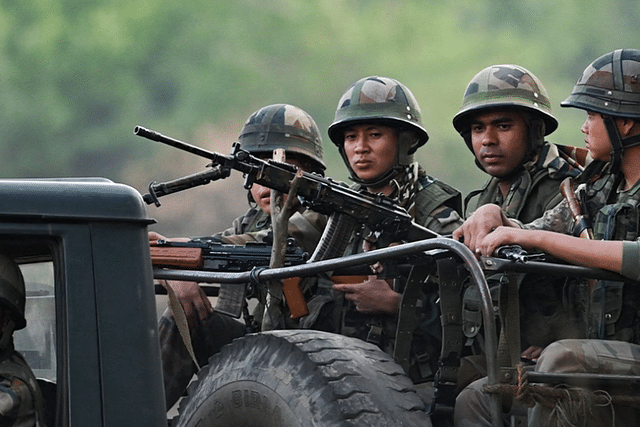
x,y
407,315
446,380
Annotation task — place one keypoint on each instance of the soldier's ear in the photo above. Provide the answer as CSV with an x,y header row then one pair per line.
x,y
627,126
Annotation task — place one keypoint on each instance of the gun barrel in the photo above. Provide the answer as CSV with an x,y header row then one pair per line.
x,y
158,137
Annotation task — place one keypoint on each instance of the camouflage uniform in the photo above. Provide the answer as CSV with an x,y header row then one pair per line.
x,y
535,189
274,126
431,202
609,86
588,356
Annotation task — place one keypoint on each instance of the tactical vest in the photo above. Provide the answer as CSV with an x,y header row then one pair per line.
x,y
612,308
329,311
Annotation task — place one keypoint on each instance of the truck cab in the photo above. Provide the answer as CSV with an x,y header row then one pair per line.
x,y
91,336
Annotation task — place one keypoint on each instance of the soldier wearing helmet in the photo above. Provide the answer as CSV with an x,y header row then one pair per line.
x,y
377,129
20,397
609,92
274,126
504,119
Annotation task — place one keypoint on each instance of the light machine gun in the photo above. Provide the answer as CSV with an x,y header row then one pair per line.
x,y
378,213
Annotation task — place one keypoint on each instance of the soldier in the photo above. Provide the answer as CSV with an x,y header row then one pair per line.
x,y
21,401
271,127
504,119
609,92
377,129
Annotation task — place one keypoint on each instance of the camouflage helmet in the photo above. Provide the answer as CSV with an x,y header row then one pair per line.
x,y
12,290
610,85
506,85
382,100
283,126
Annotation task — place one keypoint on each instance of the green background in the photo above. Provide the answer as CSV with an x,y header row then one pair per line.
x,y
78,75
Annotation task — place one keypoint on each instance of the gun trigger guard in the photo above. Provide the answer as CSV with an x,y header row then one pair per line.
x,y
254,273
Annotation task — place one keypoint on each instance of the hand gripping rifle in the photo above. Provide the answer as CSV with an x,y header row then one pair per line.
x,y
375,211
583,225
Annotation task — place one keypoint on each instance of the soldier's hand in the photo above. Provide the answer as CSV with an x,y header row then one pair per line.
x,y
483,221
373,296
532,353
153,236
194,301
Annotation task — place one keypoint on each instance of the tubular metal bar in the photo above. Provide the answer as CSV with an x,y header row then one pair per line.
x,y
549,268
585,379
369,258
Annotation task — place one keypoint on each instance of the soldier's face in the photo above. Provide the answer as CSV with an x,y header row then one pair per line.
x,y
262,195
499,141
596,138
371,149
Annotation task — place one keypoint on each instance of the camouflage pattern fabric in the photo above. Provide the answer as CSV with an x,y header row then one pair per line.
x,y
566,356
436,206
611,308
534,191
20,398
588,356
542,309
218,330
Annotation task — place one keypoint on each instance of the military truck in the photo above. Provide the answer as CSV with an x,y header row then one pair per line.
x,y
91,336
92,340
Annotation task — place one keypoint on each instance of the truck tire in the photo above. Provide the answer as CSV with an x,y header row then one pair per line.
x,y
301,378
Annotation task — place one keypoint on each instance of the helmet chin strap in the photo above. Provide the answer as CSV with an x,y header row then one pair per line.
x,y
618,144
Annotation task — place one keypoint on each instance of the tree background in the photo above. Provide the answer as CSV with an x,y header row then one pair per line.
x,y
78,75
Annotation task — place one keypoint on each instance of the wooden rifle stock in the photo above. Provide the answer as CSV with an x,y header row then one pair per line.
x,y
566,188
192,259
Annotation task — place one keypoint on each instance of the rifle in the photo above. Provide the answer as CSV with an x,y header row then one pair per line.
x,y
583,225
208,255
377,212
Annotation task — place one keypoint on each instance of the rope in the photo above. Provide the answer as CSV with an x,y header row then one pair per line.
x,y
553,397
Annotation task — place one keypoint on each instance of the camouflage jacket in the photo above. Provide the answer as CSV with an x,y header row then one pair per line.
x,y
611,308
535,190
438,207
305,226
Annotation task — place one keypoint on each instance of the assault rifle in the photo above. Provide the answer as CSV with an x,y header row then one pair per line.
x,y
378,213
208,255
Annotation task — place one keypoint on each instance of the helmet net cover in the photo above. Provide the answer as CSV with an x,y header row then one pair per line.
x,y
283,126
505,86
12,290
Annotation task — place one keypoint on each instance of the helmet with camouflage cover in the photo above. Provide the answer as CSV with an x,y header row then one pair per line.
x,y
386,101
508,86
283,126
12,291
610,85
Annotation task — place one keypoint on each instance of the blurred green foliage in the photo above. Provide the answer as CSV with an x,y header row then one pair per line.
x,y
78,75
